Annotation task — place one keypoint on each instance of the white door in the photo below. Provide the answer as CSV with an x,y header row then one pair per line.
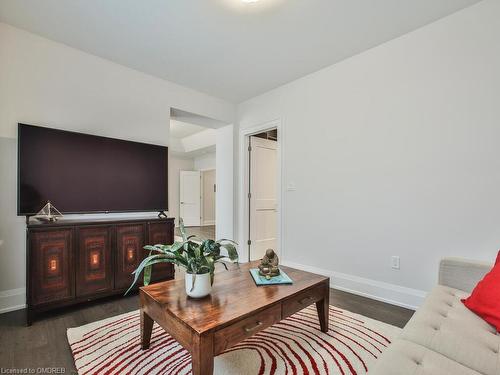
x,y
263,196
190,198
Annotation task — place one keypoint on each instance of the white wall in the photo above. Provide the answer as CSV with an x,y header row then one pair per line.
x,y
47,83
394,152
205,162
175,165
224,202
203,139
175,145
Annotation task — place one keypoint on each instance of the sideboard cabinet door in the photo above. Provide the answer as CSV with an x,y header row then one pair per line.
x,y
130,240
161,233
51,266
94,272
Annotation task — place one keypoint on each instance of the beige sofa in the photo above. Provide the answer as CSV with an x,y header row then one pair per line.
x,y
443,337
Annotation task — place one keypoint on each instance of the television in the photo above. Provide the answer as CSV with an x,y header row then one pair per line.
x,y
83,173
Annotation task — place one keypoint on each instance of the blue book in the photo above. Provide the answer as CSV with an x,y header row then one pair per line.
x,y
282,278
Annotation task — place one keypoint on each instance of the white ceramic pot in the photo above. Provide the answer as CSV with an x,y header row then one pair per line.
x,y
202,285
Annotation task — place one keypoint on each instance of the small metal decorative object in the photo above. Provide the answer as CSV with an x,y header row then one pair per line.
x,y
268,266
48,213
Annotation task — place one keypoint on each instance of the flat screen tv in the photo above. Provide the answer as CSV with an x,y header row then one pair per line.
x,y
82,173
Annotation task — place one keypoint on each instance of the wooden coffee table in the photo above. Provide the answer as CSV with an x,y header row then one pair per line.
x,y
236,310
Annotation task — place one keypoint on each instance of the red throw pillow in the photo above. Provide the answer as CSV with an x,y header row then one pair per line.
x,y
485,298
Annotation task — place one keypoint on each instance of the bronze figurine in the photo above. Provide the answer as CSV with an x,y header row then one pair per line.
x,y
268,266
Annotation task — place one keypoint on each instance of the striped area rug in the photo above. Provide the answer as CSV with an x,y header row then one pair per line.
x,y
293,346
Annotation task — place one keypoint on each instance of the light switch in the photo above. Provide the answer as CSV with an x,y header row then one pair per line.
x,y
395,262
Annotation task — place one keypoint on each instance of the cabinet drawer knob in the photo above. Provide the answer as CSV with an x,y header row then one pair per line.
x,y
130,254
53,265
254,327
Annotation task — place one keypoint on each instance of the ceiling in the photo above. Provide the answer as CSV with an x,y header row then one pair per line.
x,y
182,128
226,48
179,129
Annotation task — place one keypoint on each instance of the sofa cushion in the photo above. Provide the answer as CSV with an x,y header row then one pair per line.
x,y
406,358
485,298
444,325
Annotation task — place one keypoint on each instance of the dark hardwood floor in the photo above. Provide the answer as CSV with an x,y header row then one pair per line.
x,y
390,314
44,344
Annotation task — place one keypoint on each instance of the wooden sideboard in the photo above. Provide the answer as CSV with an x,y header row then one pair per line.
x,y
75,261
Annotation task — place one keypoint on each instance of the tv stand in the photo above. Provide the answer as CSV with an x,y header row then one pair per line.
x,y
73,261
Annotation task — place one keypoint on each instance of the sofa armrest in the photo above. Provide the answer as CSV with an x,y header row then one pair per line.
x,y
462,274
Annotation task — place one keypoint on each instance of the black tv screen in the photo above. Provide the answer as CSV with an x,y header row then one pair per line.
x,y
82,173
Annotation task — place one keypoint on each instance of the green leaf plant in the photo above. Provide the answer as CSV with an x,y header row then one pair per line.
x,y
197,255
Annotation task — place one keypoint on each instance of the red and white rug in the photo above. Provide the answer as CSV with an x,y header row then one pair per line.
x,y
293,346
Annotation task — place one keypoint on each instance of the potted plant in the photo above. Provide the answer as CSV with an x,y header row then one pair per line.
x,y
198,256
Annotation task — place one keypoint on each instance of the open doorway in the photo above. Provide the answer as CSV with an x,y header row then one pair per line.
x,y
199,144
192,173
197,195
261,224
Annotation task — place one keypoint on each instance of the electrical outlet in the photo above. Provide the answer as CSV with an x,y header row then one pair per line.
x,y
395,262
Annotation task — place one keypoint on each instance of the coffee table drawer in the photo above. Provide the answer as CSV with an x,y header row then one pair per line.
x,y
238,331
302,300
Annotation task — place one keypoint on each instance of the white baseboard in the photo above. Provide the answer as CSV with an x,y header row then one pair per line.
x,y
208,222
13,299
377,290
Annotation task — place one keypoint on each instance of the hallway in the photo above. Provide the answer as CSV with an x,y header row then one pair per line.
x,y
207,231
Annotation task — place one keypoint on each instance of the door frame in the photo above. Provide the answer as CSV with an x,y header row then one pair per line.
x,y
243,182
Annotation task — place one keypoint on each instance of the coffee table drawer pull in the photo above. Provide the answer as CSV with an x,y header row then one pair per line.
x,y
307,297
254,327
304,300
232,334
